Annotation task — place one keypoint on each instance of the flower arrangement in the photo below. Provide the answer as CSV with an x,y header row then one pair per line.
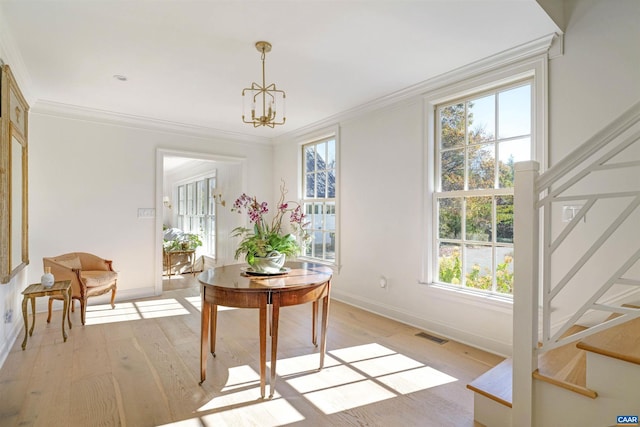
x,y
268,239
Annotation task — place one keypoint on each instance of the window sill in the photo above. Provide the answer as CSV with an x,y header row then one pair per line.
x,y
332,265
480,299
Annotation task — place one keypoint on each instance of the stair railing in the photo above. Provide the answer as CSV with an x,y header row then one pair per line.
x,y
544,282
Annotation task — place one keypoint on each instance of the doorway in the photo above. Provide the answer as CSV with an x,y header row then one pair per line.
x,y
189,191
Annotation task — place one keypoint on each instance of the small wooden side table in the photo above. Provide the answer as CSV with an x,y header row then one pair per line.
x,y
62,288
191,258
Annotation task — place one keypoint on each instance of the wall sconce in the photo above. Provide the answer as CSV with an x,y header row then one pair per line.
x,y
166,202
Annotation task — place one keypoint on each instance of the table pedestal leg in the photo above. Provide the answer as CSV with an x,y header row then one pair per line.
x,y
204,336
263,348
325,324
314,323
214,323
275,315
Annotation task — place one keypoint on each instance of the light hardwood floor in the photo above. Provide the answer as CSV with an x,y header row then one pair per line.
x,y
138,365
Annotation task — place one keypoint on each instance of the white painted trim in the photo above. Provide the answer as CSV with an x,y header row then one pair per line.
x,y
417,321
58,109
535,68
495,62
317,135
161,153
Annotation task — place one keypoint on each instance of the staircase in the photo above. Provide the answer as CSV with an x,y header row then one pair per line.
x,y
588,383
577,291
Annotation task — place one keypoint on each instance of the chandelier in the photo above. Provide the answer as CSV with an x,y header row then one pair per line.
x,y
272,99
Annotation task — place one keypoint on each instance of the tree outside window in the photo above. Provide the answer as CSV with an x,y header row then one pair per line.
x,y
319,198
479,139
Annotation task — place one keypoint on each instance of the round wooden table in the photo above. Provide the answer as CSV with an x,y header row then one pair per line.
x,y
235,286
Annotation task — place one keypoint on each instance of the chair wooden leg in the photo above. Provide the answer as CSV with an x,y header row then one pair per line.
x,y
83,310
50,304
113,298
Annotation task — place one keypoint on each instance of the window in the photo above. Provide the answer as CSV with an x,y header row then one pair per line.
x,y
197,211
478,140
319,198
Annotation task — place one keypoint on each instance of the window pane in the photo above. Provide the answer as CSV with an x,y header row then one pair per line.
x,y
482,161
310,156
478,267
481,119
478,218
330,249
504,219
316,223
514,112
504,270
321,155
181,200
331,154
512,151
452,167
449,264
330,217
201,194
331,165
450,218
310,185
452,126
321,184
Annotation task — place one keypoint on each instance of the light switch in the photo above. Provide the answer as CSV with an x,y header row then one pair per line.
x,y
146,213
569,212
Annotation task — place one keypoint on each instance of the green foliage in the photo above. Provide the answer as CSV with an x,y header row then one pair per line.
x,y
187,241
450,267
268,238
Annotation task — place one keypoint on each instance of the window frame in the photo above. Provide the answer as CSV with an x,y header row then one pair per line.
x,y
319,138
468,83
494,193
193,212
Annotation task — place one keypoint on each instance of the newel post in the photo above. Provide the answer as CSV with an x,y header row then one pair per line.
x,y
525,292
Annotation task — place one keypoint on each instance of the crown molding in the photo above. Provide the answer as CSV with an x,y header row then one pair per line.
x,y
75,112
501,59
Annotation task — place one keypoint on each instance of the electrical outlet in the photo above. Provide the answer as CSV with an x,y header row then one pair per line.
x,y
8,316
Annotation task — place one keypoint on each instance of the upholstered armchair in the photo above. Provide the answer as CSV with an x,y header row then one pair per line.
x,y
90,276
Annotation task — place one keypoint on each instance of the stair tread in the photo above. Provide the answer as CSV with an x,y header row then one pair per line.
x,y
566,363
496,383
620,342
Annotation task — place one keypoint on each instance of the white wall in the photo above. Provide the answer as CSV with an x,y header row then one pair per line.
x,y
598,77
88,180
381,177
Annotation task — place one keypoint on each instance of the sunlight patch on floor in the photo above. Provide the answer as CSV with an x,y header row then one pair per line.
x,y
196,302
241,376
416,379
348,396
301,364
103,313
352,377
325,379
267,413
361,352
243,397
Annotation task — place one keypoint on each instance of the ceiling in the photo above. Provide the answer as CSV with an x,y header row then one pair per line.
x,y
187,61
